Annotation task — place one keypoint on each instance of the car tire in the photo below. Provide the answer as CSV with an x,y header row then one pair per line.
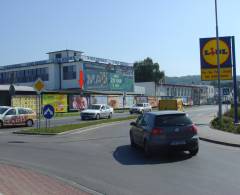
x,y
1,124
194,152
82,118
130,113
110,115
29,123
146,148
97,117
132,143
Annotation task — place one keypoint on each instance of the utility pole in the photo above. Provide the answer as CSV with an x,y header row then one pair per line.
x,y
219,69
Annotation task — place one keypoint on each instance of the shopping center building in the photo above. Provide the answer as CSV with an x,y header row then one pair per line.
x,y
105,81
61,72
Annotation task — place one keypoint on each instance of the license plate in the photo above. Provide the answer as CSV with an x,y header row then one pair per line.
x,y
176,143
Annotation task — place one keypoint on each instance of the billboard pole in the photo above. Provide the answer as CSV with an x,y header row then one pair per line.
x,y
218,64
234,82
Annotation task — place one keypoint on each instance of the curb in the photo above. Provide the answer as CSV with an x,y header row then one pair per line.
x,y
26,133
219,142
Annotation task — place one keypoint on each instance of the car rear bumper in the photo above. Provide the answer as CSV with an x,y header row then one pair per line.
x,y
182,145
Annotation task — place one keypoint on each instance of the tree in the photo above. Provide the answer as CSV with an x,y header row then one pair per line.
x,y
147,71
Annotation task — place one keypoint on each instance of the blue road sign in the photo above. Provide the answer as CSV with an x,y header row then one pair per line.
x,y
226,91
48,111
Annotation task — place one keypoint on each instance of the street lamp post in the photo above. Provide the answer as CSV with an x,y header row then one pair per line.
x,y
219,70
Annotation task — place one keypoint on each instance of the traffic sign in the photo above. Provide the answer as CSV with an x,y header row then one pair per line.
x,y
226,91
48,111
39,85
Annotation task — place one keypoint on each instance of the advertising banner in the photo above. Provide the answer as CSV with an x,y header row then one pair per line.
x,y
58,101
99,99
115,101
26,101
153,101
141,99
129,101
208,56
76,102
108,77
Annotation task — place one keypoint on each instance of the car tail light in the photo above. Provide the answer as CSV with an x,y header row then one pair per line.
x,y
157,131
193,128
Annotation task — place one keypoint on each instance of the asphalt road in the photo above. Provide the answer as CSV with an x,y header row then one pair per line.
x,y
101,159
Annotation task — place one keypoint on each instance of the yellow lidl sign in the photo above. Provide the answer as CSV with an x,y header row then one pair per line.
x,y
208,53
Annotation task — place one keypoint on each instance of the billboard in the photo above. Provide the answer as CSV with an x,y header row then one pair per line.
x,y
141,99
99,99
26,101
77,102
58,101
115,101
208,57
129,101
153,101
108,77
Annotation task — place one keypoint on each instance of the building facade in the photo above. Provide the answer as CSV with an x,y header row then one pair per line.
x,y
61,72
191,94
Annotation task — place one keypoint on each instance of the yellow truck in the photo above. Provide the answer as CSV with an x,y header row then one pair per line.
x,y
171,104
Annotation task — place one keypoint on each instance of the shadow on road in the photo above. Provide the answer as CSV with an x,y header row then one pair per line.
x,y
127,155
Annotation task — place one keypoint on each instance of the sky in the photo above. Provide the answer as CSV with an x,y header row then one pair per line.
x,y
167,31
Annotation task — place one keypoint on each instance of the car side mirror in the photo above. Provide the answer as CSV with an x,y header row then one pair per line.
x,y
133,124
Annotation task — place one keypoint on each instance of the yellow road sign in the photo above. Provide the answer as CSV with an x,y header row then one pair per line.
x,y
39,85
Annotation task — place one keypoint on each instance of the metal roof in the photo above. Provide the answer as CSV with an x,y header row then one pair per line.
x,y
64,50
17,88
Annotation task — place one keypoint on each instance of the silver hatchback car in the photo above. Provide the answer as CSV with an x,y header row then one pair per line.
x,y
164,130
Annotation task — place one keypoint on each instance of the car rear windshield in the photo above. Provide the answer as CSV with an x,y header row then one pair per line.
x,y
94,107
172,120
140,105
2,110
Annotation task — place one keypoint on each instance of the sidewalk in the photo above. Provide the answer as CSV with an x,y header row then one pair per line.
x,y
19,181
216,136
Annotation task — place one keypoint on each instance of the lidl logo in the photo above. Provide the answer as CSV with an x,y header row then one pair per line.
x,y
209,52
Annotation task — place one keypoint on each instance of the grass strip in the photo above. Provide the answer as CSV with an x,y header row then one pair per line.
x,y
64,128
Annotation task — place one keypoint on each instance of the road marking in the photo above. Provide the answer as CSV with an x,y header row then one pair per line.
x,y
79,131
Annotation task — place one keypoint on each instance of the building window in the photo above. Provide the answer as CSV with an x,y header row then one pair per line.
x,y
58,55
69,72
24,76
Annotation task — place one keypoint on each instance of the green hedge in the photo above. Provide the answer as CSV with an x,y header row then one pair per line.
x,y
226,125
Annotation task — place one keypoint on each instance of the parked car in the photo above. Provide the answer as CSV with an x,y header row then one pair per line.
x,y
164,130
140,108
97,111
12,116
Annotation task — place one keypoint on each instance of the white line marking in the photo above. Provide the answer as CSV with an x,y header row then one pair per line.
x,y
96,127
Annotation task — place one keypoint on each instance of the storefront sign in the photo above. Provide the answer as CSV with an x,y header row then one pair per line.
x,y
208,53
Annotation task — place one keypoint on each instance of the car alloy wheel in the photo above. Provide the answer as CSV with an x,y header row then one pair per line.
x,y
132,141
147,151
193,152
98,116
29,123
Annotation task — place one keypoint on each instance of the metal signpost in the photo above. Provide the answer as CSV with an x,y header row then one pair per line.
x,y
39,86
48,113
